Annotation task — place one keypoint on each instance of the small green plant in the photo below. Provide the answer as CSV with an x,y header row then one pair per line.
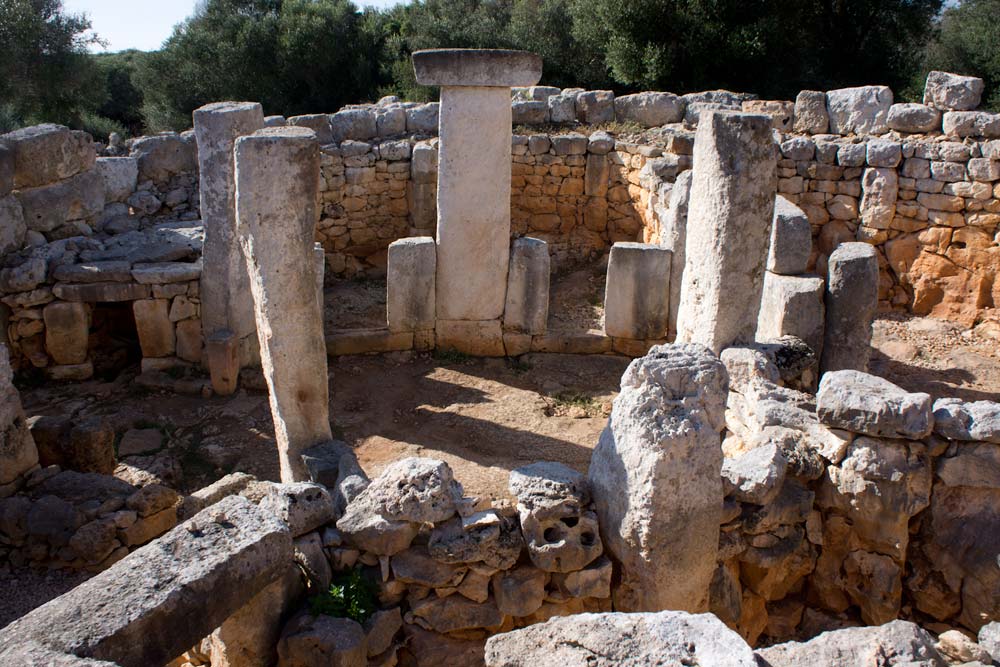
x,y
352,595
447,356
572,399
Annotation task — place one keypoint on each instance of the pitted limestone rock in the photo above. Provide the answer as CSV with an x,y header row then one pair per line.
x,y
303,506
756,476
489,537
870,405
419,490
560,531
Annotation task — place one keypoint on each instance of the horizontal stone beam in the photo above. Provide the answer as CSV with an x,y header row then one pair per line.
x,y
160,600
477,67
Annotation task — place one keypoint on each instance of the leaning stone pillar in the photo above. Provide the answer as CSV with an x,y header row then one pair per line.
x,y
733,185
225,286
851,302
473,200
276,190
656,478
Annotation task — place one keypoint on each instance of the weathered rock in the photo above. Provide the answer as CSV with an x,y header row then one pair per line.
x,y
155,603
455,613
726,246
863,403
275,174
526,309
811,116
156,332
416,566
120,175
520,591
899,643
851,301
673,236
410,284
791,239
756,476
320,124
48,153
649,109
989,639
632,308
48,207
303,506
322,640
863,110
957,647
594,107
976,420
381,628
664,533
953,92
334,465
606,640
164,155
12,226
913,118
880,186
488,537
792,306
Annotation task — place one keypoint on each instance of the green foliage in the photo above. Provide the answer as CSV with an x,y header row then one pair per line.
x,y
449,356
969,43
352,595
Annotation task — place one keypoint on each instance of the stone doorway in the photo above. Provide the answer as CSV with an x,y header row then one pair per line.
x,y
114,339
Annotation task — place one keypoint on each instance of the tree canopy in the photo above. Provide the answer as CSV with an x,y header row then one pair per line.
x,y
309,56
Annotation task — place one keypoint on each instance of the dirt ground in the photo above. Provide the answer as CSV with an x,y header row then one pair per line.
x,y
484,417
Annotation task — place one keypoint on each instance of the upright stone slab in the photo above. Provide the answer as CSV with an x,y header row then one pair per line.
x,y
18,453
225,285
674,238
527,307
792,306
656,478
473,199
410,284
276,192
733,187
851,301
791,239
637,292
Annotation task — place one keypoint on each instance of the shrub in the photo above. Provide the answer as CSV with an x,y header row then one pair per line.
x,y
352,595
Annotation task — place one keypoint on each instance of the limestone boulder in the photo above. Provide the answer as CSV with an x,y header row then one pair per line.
x,y
318,123
594,107
322,640
48,153
120,176
953,92
414,489
12,227
621,640
358,123
649,109
756,476
867,404
50,206
487,537
976,420
989,639
851,301
303,506
899,643
656,478
914,118
164,155
811,116
791,239
334,465
863,110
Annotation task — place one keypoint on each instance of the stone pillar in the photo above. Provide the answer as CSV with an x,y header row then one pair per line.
x,y
637,293
733,185
473,199
18,454
851,302
410,284
792,306
276,193
656,479
527,307
673,237
225,285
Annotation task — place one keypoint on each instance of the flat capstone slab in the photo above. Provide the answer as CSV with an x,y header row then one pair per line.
x,y
477,67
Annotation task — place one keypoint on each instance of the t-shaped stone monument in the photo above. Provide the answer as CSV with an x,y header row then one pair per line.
x,y
473,199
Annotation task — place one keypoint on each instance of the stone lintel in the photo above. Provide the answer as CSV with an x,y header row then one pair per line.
x,y
477,67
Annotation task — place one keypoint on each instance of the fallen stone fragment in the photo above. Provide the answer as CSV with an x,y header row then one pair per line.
x,y
867,404
899,643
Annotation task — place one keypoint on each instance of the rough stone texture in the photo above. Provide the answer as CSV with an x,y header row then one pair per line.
x,y
473,230
594,107
867,404
157,602
276,193
913,118
47,153
953,92
225,286
67,325
637,292
880,186
526,309
334,465
861,110
320,123
12,226
673,236
975,420
732,204
989,639
895,644
410,284
656,478
791,239
755,476
156,331
322,640
18,454
488,537
481,338
811,116
851,302
48,207
164,155
649,109
477,67
792,306
303,506
622,640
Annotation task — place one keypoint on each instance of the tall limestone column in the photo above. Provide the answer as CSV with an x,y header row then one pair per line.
x,y
473,200
733,185
225,286
276,191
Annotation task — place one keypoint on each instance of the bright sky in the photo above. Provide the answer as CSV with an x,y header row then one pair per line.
x,y
145,24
